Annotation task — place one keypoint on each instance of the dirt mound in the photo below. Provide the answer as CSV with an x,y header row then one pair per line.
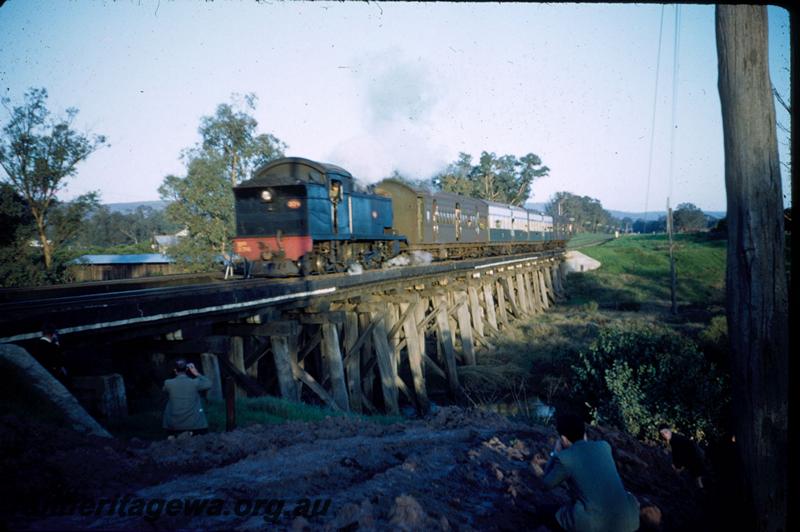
x,y
456,469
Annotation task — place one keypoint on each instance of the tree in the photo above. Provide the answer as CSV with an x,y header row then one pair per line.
x,y
650,226
16,230
757,297
67,219
137,228
39,153
689,218
504,179
230,134
202,201
582,213
15,220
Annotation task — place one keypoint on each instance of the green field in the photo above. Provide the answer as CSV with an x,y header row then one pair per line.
x,y
635,273
582,240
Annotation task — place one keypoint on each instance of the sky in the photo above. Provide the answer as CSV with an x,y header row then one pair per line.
x,y
376,87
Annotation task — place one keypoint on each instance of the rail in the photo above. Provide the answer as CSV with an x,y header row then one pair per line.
x,y
103,312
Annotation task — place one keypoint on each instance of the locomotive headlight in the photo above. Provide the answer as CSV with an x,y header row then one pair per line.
x,y
266,195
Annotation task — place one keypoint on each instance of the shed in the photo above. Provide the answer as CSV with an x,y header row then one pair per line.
x,y
111,267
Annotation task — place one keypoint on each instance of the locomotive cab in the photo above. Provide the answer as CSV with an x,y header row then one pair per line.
x,y
297,216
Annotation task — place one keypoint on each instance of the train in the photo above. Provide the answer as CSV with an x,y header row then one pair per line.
x,y
298,217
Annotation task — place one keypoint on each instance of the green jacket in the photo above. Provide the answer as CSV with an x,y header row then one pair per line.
x,y
184,409
600,501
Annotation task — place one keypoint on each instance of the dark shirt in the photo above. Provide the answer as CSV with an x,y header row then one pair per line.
x,y
686,453
49,355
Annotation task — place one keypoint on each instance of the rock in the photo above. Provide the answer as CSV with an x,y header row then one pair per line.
x,y
407,514
300,524
650,518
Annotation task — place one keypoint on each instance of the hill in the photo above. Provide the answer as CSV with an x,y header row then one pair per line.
x,y
133,205
650,215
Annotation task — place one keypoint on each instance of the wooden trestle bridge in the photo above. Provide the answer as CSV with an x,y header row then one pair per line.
x,y
361,343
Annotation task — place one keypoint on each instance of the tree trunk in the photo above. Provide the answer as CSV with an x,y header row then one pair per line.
x,y
756,277
47,251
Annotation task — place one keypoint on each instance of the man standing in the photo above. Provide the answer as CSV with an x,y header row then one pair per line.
x,y
184,411
47,351
685,453
600,502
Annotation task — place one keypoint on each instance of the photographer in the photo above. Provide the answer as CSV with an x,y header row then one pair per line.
x,y
184,410
599,500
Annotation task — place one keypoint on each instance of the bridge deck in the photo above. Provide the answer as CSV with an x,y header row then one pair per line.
x,y
163,307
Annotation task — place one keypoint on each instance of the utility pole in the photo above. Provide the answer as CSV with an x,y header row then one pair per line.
x,y
673,276
757,296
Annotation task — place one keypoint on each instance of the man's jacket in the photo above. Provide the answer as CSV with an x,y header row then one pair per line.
x,y
600,502
184,409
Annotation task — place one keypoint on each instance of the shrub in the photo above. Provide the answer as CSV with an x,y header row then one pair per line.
x,y
641,375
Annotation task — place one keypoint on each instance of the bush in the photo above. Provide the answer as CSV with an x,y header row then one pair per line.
x,y
642,375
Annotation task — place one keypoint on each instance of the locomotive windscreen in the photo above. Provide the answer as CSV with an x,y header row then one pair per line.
x,y
263,211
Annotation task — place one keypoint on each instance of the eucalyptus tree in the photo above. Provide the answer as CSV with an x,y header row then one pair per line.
x,y
504,178
689,218
202,200
583,213
39,153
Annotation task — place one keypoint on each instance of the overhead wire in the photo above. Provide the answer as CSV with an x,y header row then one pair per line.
x,y
675,71
653,119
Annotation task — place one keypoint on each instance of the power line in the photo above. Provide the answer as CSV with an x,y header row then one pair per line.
x,y
675,70
653,120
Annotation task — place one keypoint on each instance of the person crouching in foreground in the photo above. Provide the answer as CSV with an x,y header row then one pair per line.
x,y
184,411
600,502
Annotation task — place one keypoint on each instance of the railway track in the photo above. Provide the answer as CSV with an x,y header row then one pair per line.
x,y
73,312
11,295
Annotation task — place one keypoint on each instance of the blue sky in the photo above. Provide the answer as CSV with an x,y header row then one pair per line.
x,y
382,86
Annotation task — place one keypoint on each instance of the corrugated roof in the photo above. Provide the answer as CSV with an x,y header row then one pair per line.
x,y
144,258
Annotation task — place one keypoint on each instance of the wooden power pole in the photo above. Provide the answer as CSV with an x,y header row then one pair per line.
x,y
757,298
673,275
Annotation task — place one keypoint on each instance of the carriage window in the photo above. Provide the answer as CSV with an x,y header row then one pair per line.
x,y
335,192
457,217
435,220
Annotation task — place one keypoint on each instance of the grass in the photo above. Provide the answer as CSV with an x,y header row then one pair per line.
x,y
581,240
632,285
635,270
146,424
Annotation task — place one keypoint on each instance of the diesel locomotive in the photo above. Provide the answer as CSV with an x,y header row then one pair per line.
x,y
297,217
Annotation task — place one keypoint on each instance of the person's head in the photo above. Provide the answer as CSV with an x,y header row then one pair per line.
x,y
180,366
665,431
570,427
49,330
